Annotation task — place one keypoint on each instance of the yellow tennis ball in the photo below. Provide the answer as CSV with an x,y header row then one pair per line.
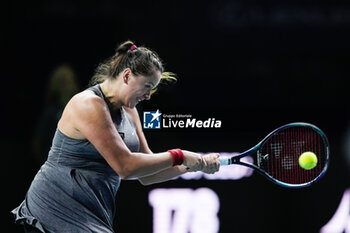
x,y
308,160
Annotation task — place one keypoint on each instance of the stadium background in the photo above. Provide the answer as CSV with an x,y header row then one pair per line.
x,y
254,65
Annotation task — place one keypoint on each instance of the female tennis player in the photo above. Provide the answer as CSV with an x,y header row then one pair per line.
x,y
98,142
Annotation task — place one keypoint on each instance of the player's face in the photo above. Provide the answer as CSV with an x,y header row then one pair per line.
x,y
140,87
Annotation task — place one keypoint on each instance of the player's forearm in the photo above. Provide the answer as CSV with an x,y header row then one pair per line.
x,y
164,175
140,164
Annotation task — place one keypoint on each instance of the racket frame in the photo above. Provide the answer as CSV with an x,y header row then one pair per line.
x,y
237,158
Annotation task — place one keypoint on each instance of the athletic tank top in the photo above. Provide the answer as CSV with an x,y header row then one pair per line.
x,y
74,190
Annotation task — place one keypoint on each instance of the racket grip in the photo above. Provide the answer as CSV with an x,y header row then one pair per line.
x,y
225,160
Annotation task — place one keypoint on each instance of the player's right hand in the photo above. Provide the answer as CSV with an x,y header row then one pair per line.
x,y
211,163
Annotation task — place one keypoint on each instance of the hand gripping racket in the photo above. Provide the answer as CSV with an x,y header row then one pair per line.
x,y
278,153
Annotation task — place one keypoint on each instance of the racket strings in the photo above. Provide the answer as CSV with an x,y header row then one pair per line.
x,y
282,150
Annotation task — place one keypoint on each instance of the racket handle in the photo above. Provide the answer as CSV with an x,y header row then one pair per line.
x,y
225,160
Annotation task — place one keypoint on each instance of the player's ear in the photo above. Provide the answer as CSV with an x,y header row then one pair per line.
x,y
126,75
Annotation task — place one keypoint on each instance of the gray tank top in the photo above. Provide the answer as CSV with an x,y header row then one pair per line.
x,y
74,191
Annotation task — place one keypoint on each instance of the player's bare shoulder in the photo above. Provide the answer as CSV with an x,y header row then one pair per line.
x,y
86,99
82,107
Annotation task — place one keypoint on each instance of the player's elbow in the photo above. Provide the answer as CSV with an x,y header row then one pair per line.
x,y
126,173
129,171
123,176
124,166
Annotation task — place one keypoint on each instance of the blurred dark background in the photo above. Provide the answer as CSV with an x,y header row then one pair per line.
x,y
255,65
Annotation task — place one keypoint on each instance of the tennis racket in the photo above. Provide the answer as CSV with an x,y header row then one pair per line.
x,y
278,153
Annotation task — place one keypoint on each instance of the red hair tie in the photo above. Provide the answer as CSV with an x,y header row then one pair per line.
x,y
133,47
178,156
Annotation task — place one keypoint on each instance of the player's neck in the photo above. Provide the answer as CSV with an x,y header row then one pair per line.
x,y
110,90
